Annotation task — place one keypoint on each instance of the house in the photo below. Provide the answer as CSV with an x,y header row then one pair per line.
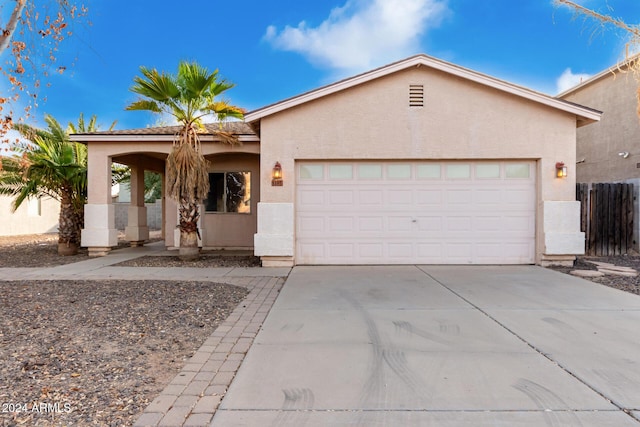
x,y
609,151
419,161
34,216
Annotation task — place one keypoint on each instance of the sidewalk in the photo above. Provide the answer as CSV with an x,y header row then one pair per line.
x,y
193,396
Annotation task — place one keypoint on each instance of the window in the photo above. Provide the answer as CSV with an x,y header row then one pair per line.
x,y
370,171
399,171
340,172
311,172
488,170
429,171
458,171
518,170
229,192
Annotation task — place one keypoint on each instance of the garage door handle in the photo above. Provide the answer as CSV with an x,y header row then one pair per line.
x,y
414,220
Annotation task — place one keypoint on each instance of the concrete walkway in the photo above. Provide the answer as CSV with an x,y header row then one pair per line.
x,y
441,346
192,397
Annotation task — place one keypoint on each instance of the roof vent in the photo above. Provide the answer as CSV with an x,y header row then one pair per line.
x,y
416,95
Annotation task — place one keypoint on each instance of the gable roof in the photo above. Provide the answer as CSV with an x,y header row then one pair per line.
x,y
584,115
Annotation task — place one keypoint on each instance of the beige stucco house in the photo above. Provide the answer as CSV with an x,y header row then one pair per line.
x,y
609,151
419,161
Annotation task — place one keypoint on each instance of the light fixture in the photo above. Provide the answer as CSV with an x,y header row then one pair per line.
x,y
561,170
276,175
623,154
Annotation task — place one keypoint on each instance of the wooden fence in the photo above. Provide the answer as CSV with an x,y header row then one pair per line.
x,y
606,218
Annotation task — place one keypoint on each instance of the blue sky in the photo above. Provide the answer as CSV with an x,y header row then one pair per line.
x,y
276,49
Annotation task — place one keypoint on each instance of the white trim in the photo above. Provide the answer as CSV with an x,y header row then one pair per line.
x,y
427,61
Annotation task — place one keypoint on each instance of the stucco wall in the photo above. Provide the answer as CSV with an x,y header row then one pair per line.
x,y
225,229
32,217
460,120
618,131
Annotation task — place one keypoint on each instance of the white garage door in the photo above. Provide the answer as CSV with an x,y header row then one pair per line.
x,y
415,212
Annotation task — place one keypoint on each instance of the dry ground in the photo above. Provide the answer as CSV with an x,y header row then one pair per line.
x,y
627,284
95,352
98,352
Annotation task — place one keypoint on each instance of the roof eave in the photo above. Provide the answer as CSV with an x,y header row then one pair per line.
x,y
87,137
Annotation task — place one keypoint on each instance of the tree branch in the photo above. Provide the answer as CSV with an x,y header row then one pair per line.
x,y
605,19
7,32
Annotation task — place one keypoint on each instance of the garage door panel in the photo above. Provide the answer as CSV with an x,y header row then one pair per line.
x,y
313,252
459,197
340,224
371,224
487,197
341,250
519,197
460,251
400,250
400,197
428,197
312,198
488,223
460,223
373,251
341,197
311,225
518,223
399,223
371,197
429,223
410,214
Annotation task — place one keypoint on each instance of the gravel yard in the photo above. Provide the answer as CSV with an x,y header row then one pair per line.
x,y
627,284
80,353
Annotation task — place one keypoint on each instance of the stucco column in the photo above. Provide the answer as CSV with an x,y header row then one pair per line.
x,y
99,233
137,230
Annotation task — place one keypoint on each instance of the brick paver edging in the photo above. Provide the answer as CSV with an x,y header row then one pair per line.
x,y
192,397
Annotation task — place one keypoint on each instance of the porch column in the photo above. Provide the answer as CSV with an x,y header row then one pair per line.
x,y
99,233
137,231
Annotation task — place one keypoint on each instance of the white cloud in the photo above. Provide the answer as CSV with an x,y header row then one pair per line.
x,y
568,80
362,33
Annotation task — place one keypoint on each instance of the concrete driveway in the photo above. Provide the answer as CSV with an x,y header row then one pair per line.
x,y
441,346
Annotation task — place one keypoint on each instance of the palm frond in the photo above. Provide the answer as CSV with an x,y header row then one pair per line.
x,y
160,87
223,110
144,105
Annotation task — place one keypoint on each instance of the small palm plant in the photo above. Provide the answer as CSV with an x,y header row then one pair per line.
x,y
189,96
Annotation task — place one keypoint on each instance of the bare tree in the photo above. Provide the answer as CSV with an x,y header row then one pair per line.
x,y
29,43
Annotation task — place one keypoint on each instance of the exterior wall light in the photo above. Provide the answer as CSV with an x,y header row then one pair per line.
x,y
276,175
561,170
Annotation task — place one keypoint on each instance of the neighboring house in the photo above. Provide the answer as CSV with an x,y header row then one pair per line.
x,y
609,151
419,161
34,216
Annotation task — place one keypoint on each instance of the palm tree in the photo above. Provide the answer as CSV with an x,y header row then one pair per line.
x,y
51,166
189,96
54,166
